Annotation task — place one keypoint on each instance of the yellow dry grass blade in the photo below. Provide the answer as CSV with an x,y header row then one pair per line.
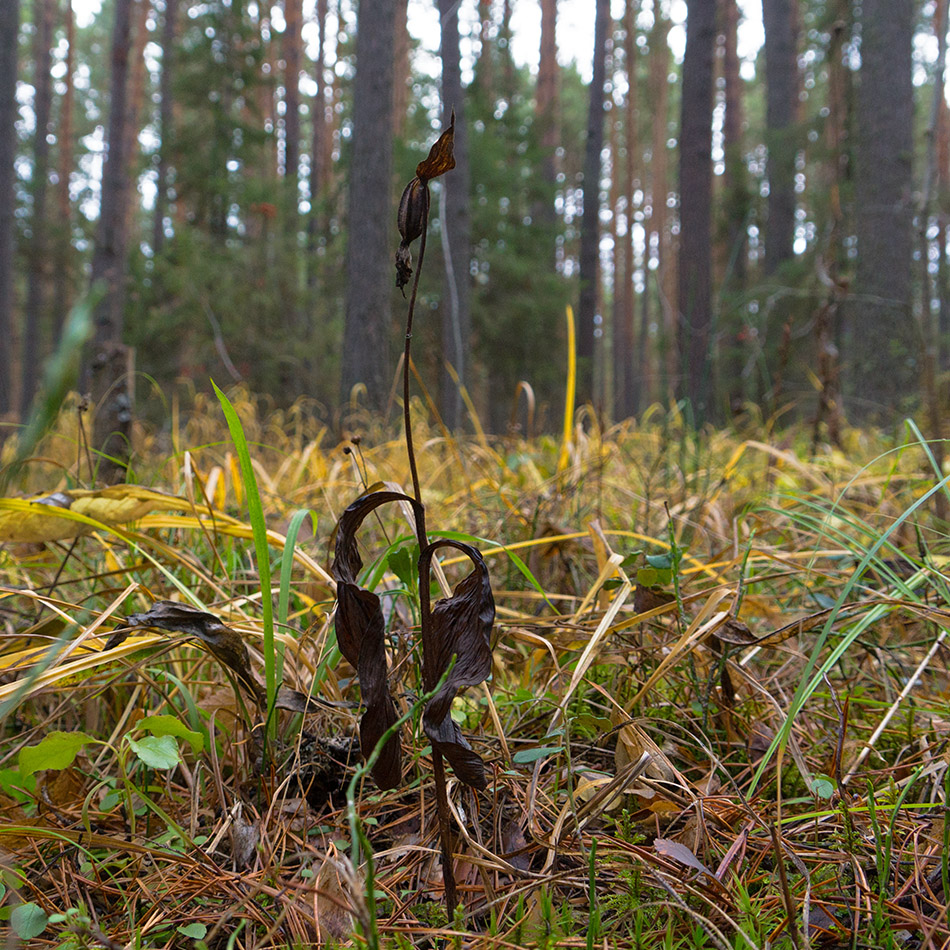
x,y
569,395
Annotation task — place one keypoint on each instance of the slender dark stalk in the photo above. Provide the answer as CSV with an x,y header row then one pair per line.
x,y
410,449
429,661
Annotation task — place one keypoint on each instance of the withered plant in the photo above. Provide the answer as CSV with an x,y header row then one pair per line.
x,y
455,632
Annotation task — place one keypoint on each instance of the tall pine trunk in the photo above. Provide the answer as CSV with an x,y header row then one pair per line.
x,y
456,226
108,363
695,188
881,344
781,79
37,278
369,252
9,31
62,286
166,122
590,224
659,194
631,381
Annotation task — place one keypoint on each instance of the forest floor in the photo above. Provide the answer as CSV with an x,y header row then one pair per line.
x,y
718,714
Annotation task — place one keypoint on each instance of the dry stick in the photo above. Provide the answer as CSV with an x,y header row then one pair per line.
x,y
428,648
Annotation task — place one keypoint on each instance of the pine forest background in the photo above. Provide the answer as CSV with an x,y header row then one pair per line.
x,y
752,232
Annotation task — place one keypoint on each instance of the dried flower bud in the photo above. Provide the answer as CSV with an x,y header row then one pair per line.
x,y
413,207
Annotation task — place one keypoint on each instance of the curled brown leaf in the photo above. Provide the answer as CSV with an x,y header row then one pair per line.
x,y
456,627
361,635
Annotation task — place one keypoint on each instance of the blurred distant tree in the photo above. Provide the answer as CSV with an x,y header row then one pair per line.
x,y
626,362
63,254
402,69
318,136
9,32
518,299
456,225
880,358
590,226
546,99
367,331
109,374
165,124
659,224
695,187
732,232
781,80
34,317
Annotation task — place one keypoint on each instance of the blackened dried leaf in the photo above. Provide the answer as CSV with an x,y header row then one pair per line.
x,y
360,633
403,266
225,644
441,156
459,626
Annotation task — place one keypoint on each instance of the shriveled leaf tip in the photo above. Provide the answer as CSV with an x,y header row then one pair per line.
x,y
441,156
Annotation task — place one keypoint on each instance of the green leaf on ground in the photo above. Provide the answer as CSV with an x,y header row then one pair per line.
x,y
157,752
58,750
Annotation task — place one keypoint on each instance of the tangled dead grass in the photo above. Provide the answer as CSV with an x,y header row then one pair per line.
x,y
740,742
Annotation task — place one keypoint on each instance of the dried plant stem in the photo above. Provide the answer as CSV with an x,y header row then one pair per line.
x,y
429,660
407,417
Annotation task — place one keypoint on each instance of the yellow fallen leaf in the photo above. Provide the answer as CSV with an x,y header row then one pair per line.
x,y
63,515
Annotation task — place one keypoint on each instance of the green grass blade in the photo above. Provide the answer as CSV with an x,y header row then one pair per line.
x,y
286,572
255,510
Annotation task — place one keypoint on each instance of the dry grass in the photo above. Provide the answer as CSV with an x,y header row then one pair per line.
x,y
649,787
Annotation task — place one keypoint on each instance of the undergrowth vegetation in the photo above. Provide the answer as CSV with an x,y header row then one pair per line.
x,y
717,713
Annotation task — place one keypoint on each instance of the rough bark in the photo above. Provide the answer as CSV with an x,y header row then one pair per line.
x,y
881,347
108,364
456,225
34,316
781,80
695,265
590,224
9,30
369,269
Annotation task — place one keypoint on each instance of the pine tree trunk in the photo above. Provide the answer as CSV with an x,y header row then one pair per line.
x,y
62,290
632,381
737,202
456,230
402,72
547,109
659,193
35,314
590,224
318,117
9,31
695,265
135,100
166,123
881,347
108,365
293,58
781,78
369,269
